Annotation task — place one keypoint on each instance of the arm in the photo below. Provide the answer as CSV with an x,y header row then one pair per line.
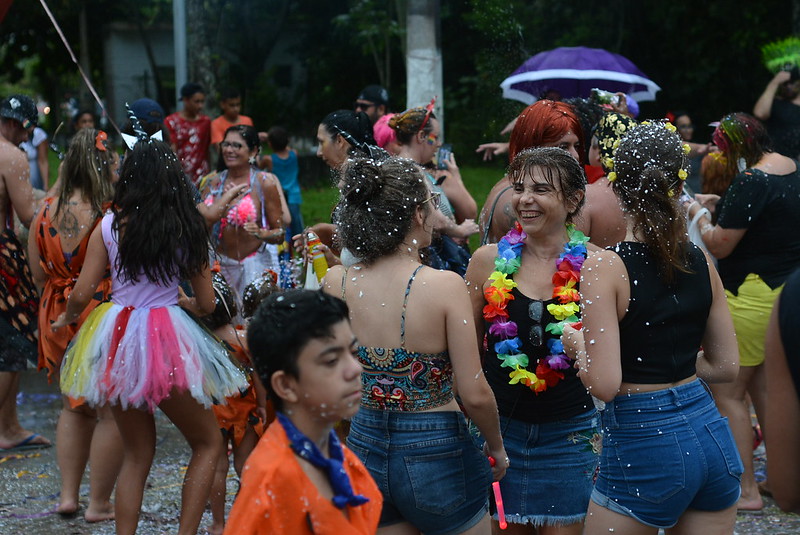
x,y
719,362
490,150
480,267
265,162
34,258
475,393
92,272
17,177
204,301
763,107
332,282
444,225
213,212
464,205
783,422
719,241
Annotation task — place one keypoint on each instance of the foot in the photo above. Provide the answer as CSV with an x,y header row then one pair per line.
x,y
23,440
67,507
215,529
750,505
99,513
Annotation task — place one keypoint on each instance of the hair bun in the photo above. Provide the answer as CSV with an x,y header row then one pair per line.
x,y
370,185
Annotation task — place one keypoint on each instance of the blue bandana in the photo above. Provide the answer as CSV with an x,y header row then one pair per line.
x,y
333,467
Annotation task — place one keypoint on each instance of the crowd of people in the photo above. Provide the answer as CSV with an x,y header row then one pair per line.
x,y
594,361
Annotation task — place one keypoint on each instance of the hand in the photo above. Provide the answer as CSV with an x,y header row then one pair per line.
x,y
501,462
781,77
574,346
60,322
261,412
621,104
490,150
450,164
468,228
252,228
184,301
707,200
233,194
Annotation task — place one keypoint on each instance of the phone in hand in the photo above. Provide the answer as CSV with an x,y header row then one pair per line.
x,y
605,97
443,154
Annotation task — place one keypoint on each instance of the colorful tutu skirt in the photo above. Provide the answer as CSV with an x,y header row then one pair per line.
x,y
135,357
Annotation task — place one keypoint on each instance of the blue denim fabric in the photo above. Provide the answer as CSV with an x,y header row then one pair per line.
x,y
427,465
665,452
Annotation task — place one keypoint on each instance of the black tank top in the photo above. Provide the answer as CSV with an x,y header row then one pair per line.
x,y
662,330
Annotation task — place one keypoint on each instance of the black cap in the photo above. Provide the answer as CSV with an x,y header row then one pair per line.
x,y
374,93
21,108
149,110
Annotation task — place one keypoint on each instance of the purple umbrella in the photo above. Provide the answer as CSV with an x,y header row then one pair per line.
x,y
574,72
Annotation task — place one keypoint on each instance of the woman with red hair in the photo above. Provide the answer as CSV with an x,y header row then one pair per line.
x,y
544,123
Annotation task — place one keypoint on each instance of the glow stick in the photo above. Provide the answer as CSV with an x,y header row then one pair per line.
x,y
498,499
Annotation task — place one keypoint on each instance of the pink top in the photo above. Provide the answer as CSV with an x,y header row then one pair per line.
x,y
142,294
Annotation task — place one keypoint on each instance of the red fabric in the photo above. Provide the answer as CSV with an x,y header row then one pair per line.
x,y
593,173
191,140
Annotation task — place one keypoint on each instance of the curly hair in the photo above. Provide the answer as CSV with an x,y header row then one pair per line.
x,y
225,308
647,164
161,233
742,138
542,123
407,124
88,169
555,164
377,205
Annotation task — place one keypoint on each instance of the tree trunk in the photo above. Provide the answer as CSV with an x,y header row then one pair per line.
x,y
424,55
200,59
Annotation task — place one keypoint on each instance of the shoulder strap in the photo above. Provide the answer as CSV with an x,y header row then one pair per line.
x,y
344,280
257,184
405,305
485,238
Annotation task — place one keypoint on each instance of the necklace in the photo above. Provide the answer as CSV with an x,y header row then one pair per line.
x,y
565,312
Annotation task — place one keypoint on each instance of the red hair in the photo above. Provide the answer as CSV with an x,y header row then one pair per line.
x,y
543,123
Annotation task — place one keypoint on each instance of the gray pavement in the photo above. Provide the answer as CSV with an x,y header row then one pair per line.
x,y
29,481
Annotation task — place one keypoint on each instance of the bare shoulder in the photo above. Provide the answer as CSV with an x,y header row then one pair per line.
x,y
13,162
332,283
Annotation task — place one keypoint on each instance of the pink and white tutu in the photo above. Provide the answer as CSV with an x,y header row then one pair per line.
x,y
134,357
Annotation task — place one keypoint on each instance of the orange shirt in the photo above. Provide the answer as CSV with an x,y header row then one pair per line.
x,y
220,124
276,495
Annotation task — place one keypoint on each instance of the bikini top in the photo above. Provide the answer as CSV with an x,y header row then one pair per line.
x,y
244,211
395,379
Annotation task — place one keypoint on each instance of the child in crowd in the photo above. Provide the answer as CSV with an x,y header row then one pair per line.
x,y
283,163
300,479
230,103
141,350
243,419
190,132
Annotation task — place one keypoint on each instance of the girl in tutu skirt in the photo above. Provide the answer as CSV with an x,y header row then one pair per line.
x,y
141,350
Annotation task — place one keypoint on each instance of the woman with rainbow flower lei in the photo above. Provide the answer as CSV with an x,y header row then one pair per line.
x,y
524,290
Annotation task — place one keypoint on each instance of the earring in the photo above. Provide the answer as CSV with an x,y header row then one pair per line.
x,y
252,160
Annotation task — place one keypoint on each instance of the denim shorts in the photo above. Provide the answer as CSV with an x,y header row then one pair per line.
x,y
665,452
427,465
552,468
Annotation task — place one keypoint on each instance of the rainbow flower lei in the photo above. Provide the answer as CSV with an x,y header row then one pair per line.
x,y
566,312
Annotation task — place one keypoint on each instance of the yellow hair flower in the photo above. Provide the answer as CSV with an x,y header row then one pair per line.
x,y
682,174
686,148
670,127
612,176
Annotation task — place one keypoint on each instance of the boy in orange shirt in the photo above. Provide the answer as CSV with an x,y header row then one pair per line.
x,y
300,479
230,102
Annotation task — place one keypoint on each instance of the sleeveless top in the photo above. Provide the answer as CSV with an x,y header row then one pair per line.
x,y
565,400
663,328
286,169
142,294
395,379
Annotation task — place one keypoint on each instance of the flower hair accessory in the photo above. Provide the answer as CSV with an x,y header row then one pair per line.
x,y
99,140
428,111
565,312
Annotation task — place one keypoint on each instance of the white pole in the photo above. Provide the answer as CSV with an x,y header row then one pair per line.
x,y
424,56
179,36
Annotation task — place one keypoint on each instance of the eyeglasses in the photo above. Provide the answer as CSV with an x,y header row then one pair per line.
x,y
232,144
685,126
435,199
363,105
428,111
535,310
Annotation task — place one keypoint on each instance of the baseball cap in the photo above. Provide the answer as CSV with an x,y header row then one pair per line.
x,y
20,108
147,109
374,93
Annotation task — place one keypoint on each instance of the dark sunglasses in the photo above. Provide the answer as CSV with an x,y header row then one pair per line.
x,y
535,311
363,105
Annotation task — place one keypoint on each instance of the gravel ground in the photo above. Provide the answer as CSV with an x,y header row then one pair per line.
x,y
29,481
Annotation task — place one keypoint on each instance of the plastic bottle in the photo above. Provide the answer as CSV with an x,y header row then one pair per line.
x,y
317,256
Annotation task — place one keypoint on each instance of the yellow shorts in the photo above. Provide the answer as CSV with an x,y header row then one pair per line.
x,y
750,311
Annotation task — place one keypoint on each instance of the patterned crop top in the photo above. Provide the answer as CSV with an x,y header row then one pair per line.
x,y
400,380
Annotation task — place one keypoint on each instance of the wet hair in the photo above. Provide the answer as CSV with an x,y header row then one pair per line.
x,y
354,127
743,139
542,123
377,205
284,324
258,290
610,129
408,123
588,113
556,165
225,308
88,169
647,163
250,136
161,234
278,138
191,88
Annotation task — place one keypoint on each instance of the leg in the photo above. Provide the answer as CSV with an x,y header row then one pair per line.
x,y
602,521
11,433
730,399
199,427
403,528
138,431
242,451
706,522
512,529
73,437
104,462
218,491
570,529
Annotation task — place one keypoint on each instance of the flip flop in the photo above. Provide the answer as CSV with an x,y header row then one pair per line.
x,y
750,512
27,444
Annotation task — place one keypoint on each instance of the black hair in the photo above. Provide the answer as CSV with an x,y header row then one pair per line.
x,y
161,233
189,89
554,163
278,138
377,205
284,324
588,113
258,290
224,303
355,127
80,114
228,93
408,123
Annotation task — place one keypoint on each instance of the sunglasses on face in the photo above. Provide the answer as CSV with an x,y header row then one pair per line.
x,y
363,105
232,144
435,199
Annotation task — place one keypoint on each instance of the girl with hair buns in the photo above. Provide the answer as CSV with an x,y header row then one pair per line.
x,y
416,344
523,290
57,249
649,303
756,255
141,350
